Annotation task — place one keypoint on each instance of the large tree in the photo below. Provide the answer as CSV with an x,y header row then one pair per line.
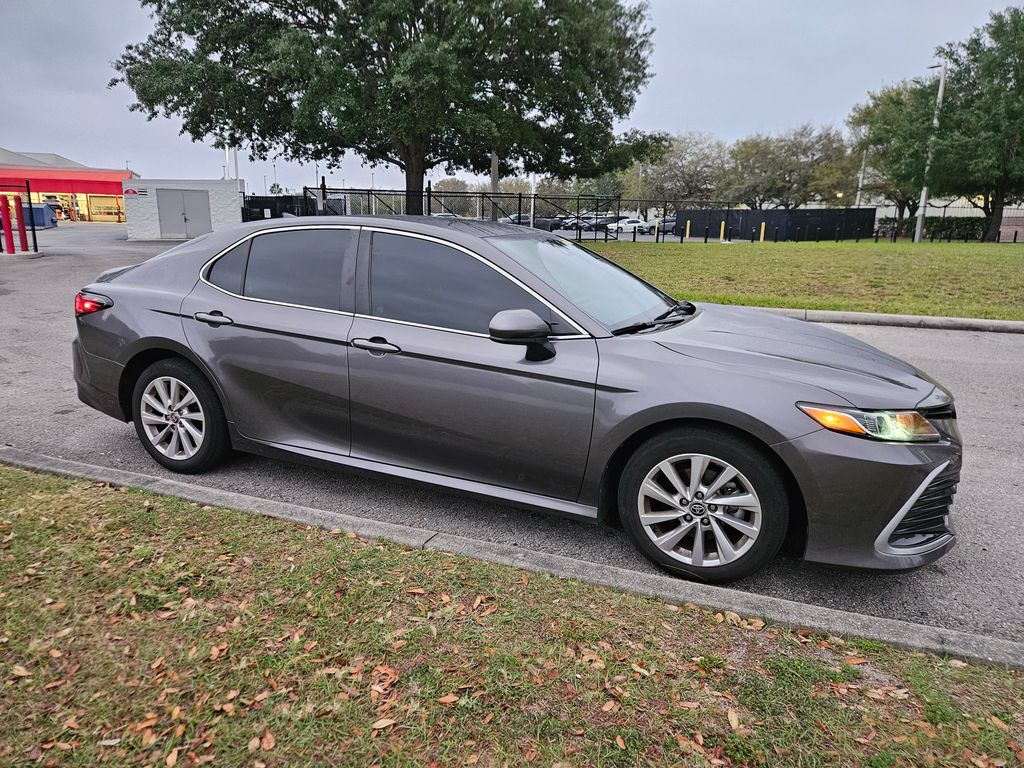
x,y
784,171
893,127
413,83
691,168
979,148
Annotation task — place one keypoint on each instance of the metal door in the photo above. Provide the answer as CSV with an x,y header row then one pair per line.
x,y
170,206
197,212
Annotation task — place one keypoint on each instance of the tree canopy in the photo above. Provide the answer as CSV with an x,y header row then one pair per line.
x,y
414,83
786,170
979,147
893,127
690,169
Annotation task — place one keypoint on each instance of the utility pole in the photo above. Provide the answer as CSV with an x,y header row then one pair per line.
x,y
919,228
533,197
860,178
494,184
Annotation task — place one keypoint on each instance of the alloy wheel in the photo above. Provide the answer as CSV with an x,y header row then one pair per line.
x,y
699,509
172,418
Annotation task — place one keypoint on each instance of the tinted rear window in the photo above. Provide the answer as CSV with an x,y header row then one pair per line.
x,y
298,267
227,271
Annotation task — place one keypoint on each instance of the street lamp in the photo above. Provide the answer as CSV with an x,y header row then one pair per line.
x,y
919,228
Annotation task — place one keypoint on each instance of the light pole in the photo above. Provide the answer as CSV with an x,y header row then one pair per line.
x,y
919,228
860,178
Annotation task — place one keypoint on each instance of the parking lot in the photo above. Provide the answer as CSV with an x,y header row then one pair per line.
x,y
975,588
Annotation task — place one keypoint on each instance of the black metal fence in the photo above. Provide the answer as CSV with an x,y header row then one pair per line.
x,y
733,223
585,215
259,207
595,216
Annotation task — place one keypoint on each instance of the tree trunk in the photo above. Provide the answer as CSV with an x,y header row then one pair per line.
x,y
901,209
994,219
415,171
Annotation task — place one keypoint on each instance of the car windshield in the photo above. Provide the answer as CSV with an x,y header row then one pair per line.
x,y
609,294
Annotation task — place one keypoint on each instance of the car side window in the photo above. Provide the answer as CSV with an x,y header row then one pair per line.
x,y
300,266
228,271
420,281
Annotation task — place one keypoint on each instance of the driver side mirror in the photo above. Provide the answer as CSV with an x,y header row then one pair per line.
x,y
523,326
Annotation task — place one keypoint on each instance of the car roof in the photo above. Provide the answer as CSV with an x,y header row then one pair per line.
x,y
476,227
462,231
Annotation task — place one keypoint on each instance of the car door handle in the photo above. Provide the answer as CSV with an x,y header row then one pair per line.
x,y
213,318
376,345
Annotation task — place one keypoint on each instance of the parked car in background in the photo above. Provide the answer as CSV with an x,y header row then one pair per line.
x,y
547,223
666,225
629,225
601,223
510,363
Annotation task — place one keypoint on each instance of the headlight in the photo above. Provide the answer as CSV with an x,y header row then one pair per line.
x,y
899,426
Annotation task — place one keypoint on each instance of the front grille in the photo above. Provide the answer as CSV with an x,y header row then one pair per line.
x,y
928,519
939,412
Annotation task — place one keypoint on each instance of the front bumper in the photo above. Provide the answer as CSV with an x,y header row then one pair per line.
x,y
858,492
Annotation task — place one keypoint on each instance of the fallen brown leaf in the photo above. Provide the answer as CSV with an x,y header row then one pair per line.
x,y
267,740
734,720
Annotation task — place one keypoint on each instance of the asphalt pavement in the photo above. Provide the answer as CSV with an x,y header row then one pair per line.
x,y
976,588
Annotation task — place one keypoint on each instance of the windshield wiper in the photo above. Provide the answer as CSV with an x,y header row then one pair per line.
x,y
665,318
680,307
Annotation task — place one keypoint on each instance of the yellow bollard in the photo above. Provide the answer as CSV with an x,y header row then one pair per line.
x,y
721,232
762,231
687,229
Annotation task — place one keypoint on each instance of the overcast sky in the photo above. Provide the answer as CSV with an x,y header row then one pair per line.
x,y
728,68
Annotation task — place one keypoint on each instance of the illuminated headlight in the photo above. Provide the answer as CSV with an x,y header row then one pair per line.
x,y
897,426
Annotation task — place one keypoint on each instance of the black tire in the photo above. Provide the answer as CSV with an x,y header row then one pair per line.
x,y
216,443
752,463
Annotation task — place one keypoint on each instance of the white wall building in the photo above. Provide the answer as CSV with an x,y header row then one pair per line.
x,y
179,209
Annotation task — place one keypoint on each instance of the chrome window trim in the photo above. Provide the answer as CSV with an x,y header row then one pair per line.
x,y
581,333
453,330
205,269
882,542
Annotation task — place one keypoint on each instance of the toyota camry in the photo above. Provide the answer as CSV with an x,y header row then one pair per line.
x,y
513,364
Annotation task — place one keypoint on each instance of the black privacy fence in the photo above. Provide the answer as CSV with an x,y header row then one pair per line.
x,y
610,217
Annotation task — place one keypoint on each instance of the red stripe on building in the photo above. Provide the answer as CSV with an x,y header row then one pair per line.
x,y
67,180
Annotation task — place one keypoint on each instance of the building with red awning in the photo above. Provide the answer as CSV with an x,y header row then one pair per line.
x,y
78,192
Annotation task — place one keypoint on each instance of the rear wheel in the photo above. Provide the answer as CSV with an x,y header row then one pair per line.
x,y
178,417
704,504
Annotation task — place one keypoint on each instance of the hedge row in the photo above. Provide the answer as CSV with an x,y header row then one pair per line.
x,y
952,227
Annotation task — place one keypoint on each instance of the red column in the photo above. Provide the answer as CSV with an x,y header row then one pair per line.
x,y
5,218
19,215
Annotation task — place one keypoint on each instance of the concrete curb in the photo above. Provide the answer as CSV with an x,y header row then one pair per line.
x,y
900,321
948,642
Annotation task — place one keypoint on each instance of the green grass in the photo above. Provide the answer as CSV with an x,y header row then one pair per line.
x,y
951,279
140,630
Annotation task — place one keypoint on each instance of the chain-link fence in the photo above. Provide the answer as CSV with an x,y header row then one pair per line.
x,y
612,217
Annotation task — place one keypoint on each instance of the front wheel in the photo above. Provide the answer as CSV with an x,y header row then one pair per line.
x,y
704,504
179,418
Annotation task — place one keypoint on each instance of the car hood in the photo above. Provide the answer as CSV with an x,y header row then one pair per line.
x,y
810,353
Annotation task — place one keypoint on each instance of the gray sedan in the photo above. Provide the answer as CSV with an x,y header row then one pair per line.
x,y
510,363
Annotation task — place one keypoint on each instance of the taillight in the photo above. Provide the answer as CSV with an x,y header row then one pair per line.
x,y
87,303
